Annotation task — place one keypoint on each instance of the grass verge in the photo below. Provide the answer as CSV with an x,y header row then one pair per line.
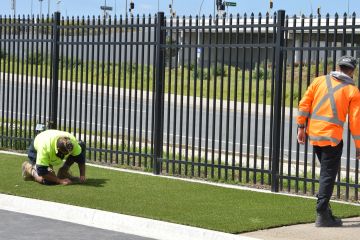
x,y
194,204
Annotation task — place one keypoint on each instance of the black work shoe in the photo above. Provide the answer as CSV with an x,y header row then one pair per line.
x,y
326,219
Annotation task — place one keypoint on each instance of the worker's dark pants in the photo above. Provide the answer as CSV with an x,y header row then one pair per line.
x,y
329,158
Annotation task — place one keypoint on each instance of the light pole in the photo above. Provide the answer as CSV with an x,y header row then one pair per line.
x,y
271,5
13,6
311,8
198,50
201,7
40,7
48,7
58,5
171,8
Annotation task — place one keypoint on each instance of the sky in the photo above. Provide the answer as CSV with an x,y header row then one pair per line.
x,y
181,7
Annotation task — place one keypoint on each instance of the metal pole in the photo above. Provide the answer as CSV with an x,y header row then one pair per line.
x,y
55,71
214,8
279,56
13,7
171,9
58,5
40,7
159,93
105,13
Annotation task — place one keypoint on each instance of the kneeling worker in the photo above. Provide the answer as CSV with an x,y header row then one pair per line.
x,y
49,149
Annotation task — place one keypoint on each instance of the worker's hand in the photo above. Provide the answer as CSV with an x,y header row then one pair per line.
x,y
301,135
65,181
82,179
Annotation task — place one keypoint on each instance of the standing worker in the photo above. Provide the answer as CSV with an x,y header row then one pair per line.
x,y
49,149
322,111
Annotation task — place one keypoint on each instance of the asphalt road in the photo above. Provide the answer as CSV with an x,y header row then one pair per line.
x,y
186,123
27,227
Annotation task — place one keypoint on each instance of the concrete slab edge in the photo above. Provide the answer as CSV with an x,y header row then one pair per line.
x,y
198,181
111,221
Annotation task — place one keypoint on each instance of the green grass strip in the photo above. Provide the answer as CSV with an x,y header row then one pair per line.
x,y
194,204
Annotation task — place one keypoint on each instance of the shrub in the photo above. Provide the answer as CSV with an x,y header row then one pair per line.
x,y
35,58
70,64
261,74
2,54
219,71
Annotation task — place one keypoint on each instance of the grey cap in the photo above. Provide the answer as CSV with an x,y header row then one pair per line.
x,y
347,61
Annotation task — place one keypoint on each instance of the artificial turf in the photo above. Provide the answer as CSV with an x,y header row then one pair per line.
x,y
188,203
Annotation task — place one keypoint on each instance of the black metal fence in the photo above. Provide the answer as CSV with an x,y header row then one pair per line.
x,y
211,98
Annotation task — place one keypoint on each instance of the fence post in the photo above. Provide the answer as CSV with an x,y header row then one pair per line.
x,y
159,93
279,57
55,71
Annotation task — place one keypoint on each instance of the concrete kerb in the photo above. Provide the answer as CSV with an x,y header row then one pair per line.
x,y
111,221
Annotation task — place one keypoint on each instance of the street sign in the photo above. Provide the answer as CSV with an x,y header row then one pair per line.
x,y
106,8
230,4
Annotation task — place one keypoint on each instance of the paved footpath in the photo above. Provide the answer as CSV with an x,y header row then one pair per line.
x,y
349,231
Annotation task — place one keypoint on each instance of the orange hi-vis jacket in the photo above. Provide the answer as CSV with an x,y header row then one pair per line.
x,y
324,107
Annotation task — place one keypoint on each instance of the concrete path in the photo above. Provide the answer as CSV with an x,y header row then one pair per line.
x,y
349,231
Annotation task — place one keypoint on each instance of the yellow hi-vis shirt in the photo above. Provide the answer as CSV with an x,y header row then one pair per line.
x,y
45,146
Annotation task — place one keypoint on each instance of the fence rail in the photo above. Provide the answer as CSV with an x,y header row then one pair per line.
x,y
212,98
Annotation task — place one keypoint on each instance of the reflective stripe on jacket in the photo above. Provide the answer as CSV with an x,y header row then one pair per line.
x,y
324,108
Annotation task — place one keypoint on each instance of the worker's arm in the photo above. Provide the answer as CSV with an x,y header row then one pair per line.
x,y
354,120
304,112
305,105
45,174
82,170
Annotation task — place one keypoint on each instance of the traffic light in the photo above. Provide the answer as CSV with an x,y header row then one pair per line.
x,y
271,4
132,6
220,5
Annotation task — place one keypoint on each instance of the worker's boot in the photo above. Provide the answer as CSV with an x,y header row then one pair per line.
x,y
64,172
27,171
327,219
